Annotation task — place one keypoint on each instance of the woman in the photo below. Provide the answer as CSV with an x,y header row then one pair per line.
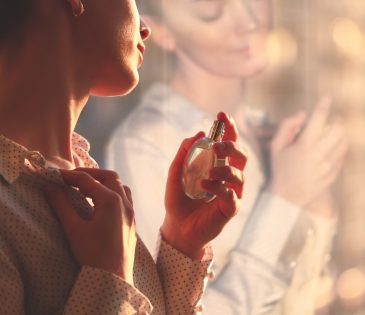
x,y
216,46
67,231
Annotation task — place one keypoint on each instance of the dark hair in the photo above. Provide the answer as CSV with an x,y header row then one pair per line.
x,y
13,16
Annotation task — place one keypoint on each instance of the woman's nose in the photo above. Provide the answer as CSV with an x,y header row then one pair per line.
x,y
245,17
144,30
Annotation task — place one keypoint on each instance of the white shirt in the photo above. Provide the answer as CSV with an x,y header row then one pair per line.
x,y
252,275
38,273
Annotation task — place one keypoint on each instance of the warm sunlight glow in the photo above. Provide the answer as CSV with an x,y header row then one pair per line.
x,y
282,48
351,287
348,38
350,86
326,292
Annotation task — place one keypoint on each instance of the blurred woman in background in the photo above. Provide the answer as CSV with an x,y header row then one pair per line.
x,y
280,241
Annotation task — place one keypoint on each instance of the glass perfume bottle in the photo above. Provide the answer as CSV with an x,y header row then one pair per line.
x,y
200,160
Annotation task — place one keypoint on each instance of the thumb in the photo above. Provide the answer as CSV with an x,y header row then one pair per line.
x,y
65,212
287,131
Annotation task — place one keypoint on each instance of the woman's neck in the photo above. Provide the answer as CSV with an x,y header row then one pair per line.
x,y
39,107
212,93
207,91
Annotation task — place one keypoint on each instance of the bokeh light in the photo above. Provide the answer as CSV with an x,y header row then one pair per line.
x,y
326,292
351,287
281,48
348,38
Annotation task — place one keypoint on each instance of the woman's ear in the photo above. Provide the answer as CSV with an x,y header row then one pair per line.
x,y
161,35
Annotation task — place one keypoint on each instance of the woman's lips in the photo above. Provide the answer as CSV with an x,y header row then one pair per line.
x,y
243,49
141,49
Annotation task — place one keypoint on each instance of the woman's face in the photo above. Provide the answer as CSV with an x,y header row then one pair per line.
x,y
224,37
114,35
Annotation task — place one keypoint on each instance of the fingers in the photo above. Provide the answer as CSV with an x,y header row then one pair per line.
x,y
318,120
131,216
108,178
237,156
176,168
59,202
332,138
231,176
230,128
333,162
330,152
103,197
88,186
226,197
287,131
128,193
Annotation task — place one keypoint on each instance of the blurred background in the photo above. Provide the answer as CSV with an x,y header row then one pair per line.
x,y
316,48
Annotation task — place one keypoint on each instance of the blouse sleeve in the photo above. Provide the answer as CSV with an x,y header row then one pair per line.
x,y
183,279
100,292
94,292
251,282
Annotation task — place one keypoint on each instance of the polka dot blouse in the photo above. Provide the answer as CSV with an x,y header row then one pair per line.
x,y
38,274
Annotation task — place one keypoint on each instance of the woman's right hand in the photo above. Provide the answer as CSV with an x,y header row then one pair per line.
x,y
107,239
304,168
190,224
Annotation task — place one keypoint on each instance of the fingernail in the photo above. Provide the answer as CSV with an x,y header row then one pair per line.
x,y
199,134
222,115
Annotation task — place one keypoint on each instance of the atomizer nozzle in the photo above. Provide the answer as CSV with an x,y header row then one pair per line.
x,y
217,130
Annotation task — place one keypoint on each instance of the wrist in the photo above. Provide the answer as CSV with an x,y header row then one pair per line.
x,y
123,272
323,206
286,192
174,235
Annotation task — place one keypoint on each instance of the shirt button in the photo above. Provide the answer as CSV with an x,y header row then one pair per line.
x,y
211,275
143,313
199,309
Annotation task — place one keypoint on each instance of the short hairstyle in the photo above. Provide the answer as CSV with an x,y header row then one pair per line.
x,y
13,17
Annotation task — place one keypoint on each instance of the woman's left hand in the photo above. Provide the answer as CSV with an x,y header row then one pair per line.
x,y
190,225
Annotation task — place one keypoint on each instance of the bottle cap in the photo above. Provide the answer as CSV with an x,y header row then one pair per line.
x,y
217,130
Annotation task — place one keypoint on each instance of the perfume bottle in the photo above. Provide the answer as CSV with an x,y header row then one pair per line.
x,y
200,160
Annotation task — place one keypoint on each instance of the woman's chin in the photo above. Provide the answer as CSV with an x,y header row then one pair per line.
x,y
256,67
116,86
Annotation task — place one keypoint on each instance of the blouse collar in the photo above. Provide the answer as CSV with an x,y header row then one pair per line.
x,y
13,156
